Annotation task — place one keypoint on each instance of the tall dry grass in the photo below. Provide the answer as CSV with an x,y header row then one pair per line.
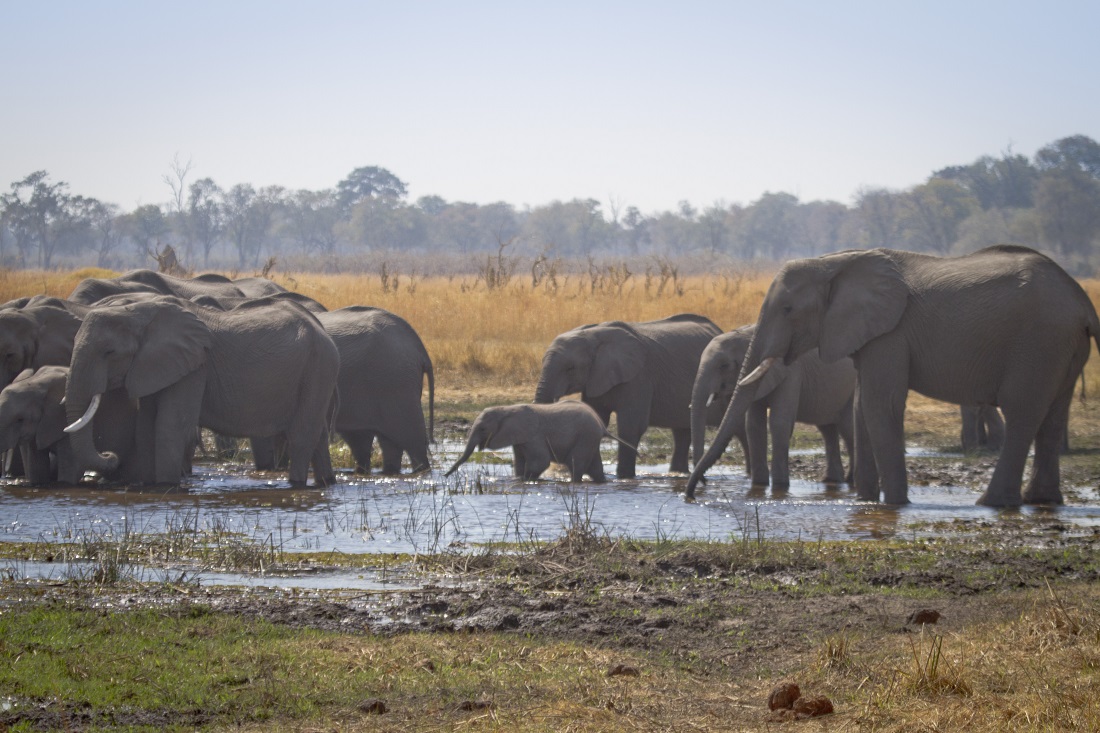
x,y
491,340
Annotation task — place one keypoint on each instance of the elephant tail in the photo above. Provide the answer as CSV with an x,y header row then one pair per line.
x,y
619,440
431,401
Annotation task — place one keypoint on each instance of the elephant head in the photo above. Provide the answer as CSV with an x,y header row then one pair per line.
x,y
591,359
836,303
18,344
31,409
496,428
715,380
143,347
37,335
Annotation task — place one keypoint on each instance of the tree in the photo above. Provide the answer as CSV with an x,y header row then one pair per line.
x,y
714,225
205,219
369,182
769,226
1008,181
176,180
311,219
1067,203
146,225
39,211
934,212
1077,152
236,206
880,210
105,221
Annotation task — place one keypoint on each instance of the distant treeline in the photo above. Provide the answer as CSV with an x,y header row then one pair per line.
x,y
1051,202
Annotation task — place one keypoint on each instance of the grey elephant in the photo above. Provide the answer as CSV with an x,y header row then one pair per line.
x,y
808,391
92,290
642,372
1003,326
32,419
567,432
37,335
383,365
259,370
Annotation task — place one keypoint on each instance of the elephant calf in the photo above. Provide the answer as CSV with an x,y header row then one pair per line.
x,y
562,432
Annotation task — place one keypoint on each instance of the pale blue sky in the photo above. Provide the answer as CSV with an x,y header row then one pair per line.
x,y
647,103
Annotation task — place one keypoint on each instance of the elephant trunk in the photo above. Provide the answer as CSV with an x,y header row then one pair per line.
x,y
702,393
471,446
82,397
743,396
545,392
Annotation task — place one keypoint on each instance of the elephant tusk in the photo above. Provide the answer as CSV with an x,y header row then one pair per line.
x,y
87,417
756,374
710,400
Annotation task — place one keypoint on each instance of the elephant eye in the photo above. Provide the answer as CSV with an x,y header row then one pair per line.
x,y
787,310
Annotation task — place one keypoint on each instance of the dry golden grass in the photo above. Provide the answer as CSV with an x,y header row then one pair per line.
x,y
487,345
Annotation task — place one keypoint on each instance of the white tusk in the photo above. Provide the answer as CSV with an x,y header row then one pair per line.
x,y
756,374
87,418
710,400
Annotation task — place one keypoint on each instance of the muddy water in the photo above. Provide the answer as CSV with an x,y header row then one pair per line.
x,y
483,503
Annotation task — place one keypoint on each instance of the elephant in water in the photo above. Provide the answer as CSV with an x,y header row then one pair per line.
x,y
1003,326
642,372
32,418
260,370
808,391
567,432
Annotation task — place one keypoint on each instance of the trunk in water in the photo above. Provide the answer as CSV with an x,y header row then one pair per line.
x,y
705,386
471,445
743,396
82,443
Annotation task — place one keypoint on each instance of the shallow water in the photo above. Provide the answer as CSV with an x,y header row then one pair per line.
x,y
483,503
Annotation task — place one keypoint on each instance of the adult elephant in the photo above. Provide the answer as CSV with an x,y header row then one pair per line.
x,y
642,372
32,419
37,335
92,290
808,391
383,365
1003,326
260,370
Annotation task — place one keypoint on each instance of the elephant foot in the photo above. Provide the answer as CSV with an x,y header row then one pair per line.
x,y
625,473
780,488
999,499
896,497
1036,494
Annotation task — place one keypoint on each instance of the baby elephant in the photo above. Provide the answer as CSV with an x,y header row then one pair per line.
x,y
560,432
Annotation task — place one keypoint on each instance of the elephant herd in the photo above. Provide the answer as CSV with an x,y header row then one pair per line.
x,y
118,378
143,359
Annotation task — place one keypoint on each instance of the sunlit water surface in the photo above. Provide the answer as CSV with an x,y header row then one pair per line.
x,y
427,513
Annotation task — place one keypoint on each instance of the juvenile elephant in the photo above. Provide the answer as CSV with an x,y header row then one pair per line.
x,y
808,391
32,418
566,432
259,370
643,372
1003,326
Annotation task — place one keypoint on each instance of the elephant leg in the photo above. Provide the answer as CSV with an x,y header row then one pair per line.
x,y
845,429
834,465
883,393
1004,486
323,475
537,461
263,452
36,464
1044,486
681,444
594,469
756,427
68,471
632,420
519,461
391,456
781,427
360,443
865,472
178,408
743,439
969,433
994,426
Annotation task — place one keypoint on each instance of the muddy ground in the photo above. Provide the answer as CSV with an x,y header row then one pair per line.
x,y
715,607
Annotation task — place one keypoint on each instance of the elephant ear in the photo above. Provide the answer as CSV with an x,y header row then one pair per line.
x,y
173,344
619,358
514,427
51,427
866,299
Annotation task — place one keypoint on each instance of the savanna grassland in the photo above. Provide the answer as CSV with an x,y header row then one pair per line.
x,y
590,633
